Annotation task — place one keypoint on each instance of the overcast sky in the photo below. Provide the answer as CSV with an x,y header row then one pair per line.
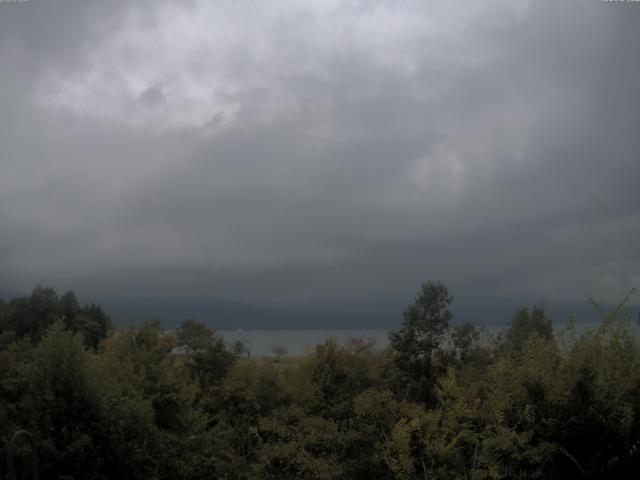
x,y
293,151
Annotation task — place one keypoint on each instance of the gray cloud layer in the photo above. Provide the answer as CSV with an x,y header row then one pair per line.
x,y
320,150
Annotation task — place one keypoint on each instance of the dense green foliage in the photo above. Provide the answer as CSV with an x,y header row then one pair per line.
x,y
418,344
441,402
31,317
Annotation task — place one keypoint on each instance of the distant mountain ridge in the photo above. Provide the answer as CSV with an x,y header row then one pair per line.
x,y
375,314
227,315
7,295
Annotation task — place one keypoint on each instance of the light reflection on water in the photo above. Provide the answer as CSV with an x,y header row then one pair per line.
x,y
298,342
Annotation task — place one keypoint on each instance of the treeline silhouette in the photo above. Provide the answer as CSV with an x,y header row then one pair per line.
x,y
441,402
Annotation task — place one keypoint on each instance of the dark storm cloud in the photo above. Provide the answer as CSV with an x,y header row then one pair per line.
x,y
336,151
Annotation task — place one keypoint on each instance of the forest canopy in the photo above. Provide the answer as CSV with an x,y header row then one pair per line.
x,y
442,401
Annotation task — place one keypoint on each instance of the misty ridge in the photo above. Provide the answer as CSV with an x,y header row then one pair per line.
x,y
319,240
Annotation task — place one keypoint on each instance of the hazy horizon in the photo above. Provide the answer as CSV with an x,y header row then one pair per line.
x,y
222,314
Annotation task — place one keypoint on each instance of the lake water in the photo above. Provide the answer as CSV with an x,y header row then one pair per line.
x,y
298,342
